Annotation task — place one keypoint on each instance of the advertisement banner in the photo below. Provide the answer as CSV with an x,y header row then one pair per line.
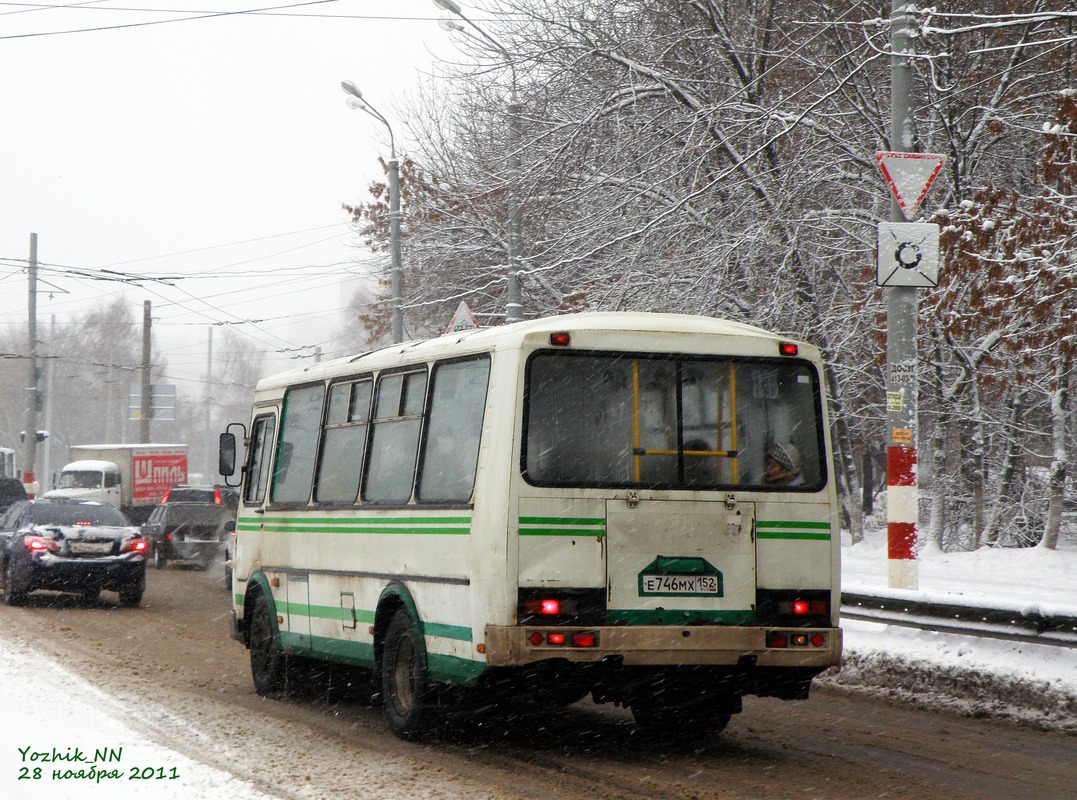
x,y
155,473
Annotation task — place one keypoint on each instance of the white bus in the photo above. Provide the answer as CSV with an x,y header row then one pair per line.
x,y
560,507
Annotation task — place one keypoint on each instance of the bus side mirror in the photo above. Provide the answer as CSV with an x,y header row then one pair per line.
x,y
226,455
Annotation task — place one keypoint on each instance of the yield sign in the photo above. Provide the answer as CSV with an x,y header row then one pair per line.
x,y
909,176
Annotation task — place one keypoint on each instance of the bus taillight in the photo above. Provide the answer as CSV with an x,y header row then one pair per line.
x,y
563,639
777,639
795,639
585,639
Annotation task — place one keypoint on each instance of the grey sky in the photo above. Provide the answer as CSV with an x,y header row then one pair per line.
x,y
219,149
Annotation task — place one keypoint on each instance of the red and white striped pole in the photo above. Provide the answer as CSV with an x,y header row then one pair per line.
x,y
902,517
902,504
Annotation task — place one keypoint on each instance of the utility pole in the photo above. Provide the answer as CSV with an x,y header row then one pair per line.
x,y
210,469
902,517
147,388
50,374
33,396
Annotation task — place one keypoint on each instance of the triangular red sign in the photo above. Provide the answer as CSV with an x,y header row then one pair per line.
x,y
909,176
462,320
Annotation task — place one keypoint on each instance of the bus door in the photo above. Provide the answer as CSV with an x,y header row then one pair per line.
x,y
682,561
673,562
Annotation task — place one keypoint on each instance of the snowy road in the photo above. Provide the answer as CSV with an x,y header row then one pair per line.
x,y
164,689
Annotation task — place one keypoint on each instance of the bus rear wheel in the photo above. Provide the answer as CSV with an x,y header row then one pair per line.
x,y
406,689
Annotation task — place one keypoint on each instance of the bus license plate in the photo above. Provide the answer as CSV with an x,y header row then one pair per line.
x,y
680,584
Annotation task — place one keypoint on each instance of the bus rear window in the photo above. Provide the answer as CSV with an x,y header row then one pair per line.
x,y
672,422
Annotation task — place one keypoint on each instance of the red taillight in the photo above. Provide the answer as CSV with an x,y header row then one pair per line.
x,y
39,544
562,339
551,606
777,639
134,546
818,640
167,493
788,348
802,608
217,497
563,639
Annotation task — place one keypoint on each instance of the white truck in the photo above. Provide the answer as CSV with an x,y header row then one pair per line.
x,y
132,477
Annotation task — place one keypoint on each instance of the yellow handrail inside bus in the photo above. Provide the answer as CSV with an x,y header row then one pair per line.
x,y
637,446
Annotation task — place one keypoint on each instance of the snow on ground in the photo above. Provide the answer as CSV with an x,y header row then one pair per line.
x,y
1035,684
1032,683
56,722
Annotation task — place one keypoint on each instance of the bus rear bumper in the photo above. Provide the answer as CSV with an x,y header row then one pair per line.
x,y
653,645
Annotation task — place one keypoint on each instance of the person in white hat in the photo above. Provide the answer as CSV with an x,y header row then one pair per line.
x,y
782,465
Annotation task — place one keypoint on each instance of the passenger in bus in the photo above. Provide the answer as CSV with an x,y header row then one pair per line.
x,y
782,465
699,470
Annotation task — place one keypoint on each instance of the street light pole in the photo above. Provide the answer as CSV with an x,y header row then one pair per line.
x,y
514,309
356,101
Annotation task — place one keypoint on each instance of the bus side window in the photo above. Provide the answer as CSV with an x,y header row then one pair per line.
x,y
254,490
451,446
344,442
299,428
394,437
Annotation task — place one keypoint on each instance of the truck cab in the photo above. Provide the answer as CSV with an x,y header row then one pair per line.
x,y
89,480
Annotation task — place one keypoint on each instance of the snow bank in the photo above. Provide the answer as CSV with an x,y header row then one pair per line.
x,y
59,738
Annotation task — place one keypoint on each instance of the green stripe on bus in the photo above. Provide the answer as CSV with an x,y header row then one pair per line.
x,y
563,521
402,520
560,532
793,535
634,616
457,632
408,526
792,530
824,526
562,526
440,630
442,667
323,612
270,527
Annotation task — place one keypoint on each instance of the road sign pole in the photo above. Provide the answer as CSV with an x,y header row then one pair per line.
x,y
902,493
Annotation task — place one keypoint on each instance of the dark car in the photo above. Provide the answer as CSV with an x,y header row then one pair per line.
x,y
225,496
193,532
11,491
70,546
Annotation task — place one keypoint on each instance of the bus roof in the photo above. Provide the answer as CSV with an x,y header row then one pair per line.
x,y
510,336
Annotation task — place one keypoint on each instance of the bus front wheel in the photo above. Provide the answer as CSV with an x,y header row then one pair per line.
x,y
406,688
269,662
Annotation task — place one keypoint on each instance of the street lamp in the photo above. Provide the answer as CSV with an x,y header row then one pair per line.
x,y
514,309
356,101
